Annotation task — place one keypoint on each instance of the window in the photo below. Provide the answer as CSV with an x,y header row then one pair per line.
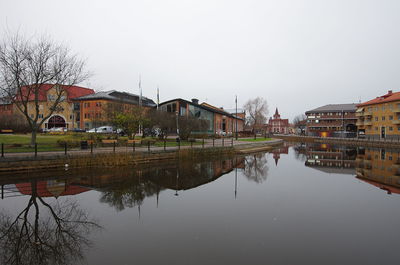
x,y
40,116
376,128
390,128
376,118
383,118
391,117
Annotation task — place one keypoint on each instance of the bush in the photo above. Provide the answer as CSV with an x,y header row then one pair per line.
x,y
70,143
146,141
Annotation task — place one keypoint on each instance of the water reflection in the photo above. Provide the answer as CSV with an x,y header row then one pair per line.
x,y
42,232
381,168
375,166
291,212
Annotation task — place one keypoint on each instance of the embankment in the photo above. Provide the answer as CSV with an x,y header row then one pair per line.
x,y
344,141
110,159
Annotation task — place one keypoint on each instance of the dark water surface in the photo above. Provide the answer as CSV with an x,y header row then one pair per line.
x,y
316,204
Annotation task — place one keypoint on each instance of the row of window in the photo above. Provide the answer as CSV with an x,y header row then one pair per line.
x,y
87,104
384,107
92,115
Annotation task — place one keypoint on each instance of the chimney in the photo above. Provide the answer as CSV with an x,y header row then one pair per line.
x,y
390,92
195,101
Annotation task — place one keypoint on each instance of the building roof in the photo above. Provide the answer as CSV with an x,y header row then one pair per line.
x,y
233,111
334,108
388,97
114,95
72,91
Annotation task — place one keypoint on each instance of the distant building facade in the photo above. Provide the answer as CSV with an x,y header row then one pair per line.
x,y
379,118
278,125
220,122
333,120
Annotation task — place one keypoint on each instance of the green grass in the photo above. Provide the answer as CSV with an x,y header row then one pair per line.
x,y
255,140
170,143
16,143
20,142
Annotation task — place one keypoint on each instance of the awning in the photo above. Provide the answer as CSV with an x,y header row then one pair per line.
x,y
360,110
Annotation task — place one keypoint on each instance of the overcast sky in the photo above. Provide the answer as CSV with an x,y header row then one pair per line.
x,y
297,54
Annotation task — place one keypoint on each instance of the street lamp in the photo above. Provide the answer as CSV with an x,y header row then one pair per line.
x,y
236,119
177,124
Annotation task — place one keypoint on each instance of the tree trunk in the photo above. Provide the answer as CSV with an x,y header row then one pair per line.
x,y
33,136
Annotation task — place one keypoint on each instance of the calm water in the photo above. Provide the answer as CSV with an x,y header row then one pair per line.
x,y
301,204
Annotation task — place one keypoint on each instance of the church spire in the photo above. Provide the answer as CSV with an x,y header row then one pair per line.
x,y
277,115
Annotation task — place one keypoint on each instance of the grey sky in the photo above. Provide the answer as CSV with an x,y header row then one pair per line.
x,y
296,54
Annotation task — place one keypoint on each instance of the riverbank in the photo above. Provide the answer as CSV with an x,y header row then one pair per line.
x,y
344,141
111,157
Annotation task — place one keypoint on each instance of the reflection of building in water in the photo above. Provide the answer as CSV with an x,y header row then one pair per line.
x,y
276,153
381,168
331,158
135,183
46,188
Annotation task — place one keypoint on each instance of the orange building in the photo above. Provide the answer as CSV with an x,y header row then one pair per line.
x,y
92,109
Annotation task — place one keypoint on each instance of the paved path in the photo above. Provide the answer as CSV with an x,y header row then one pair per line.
x,y
127,149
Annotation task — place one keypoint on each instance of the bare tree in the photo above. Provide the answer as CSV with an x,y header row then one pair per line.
x,y
257,110
26,65
256,168
298,119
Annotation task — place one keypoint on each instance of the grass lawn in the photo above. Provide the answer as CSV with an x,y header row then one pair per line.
x,y
174,143
47,142
261,139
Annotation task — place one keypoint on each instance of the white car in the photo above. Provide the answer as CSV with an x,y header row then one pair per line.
x,y
102,129
57,129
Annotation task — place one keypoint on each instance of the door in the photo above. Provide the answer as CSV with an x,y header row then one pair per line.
x,y
383,132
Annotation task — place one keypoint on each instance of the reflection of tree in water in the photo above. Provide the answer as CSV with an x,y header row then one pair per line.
x,y
44,234
129,193
256,168
300,152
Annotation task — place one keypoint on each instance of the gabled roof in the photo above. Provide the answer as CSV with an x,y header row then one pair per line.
x,y
334,108
114,95
388,97
72,91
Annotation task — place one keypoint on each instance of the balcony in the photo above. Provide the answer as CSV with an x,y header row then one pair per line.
x,y
396,110
396,121
360,114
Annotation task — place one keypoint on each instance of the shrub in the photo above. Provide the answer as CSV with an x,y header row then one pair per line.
x,y
70,143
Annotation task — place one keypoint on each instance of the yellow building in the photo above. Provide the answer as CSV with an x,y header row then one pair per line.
x,y
379,118
62,116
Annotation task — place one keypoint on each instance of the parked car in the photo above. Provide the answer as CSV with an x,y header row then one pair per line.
x,y
78,130
57,129
102,129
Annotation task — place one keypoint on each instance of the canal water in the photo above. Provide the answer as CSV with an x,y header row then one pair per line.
x,y
299,204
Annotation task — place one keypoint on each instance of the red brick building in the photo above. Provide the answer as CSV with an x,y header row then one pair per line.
x,y
278,125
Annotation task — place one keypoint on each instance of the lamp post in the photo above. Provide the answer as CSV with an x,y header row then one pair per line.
x,y
177,125
236,119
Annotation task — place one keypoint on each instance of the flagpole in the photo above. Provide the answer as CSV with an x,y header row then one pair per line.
x,y
158,97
